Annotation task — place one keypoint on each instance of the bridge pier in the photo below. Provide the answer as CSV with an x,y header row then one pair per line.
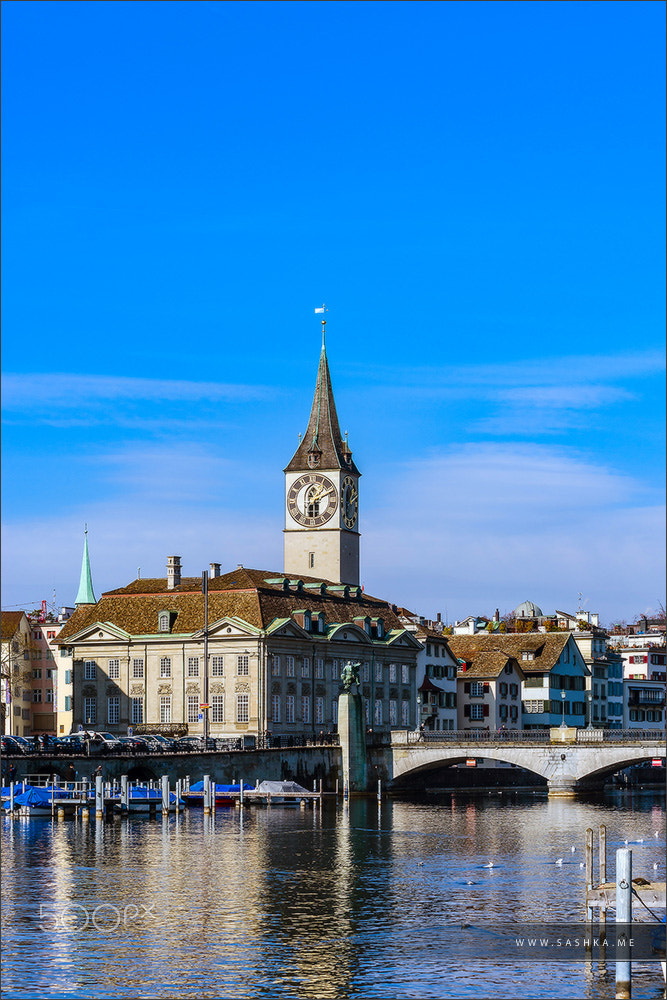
x,y
562,788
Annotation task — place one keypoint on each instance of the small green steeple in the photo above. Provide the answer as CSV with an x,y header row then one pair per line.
x,y
85,594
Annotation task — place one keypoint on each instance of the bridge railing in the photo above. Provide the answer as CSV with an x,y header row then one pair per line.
x,y
519,736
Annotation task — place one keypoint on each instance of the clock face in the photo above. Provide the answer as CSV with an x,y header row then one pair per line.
x,y
312,500
349,502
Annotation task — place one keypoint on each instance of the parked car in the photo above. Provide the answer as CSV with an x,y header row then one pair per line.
x,y
190,743
10,745
132,744
164,741
26,743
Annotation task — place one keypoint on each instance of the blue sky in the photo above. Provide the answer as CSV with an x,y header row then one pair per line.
x,y
477,192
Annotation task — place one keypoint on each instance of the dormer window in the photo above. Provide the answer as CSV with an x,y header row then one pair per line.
x,y
527,654
321,624
307,621
164,621
380,628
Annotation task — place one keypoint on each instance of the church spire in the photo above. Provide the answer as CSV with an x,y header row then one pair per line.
x,y
322,446
85,593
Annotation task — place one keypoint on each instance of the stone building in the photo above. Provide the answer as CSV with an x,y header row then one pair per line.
x,y
260,651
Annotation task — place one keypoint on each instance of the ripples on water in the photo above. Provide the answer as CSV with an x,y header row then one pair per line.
x,y
282,902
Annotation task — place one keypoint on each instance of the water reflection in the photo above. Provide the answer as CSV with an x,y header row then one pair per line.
x,y
334,903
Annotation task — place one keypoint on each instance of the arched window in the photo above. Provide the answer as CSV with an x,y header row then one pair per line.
x,y
163,621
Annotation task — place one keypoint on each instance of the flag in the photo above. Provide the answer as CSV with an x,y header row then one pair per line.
x,y
320,310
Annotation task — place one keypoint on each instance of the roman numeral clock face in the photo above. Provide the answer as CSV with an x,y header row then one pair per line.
x,y
312,500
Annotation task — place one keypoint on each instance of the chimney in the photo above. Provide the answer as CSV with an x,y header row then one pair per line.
x,y
496,617
215,570
173,572
439,617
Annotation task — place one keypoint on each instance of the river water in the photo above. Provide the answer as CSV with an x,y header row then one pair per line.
x,y
347,901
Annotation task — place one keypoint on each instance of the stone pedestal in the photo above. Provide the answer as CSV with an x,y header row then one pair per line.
x,y
352,740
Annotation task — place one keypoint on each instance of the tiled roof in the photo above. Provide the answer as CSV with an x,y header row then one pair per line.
x,y
10,623
490,663
545,646
243,593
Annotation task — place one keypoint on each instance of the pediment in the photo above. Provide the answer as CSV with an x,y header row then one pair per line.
x,y
404,638
346,632
98,632
229,627
287,627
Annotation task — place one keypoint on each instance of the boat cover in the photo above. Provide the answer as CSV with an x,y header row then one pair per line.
x,y
280,787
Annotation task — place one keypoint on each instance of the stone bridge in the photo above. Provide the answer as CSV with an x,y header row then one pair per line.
x,y
570,761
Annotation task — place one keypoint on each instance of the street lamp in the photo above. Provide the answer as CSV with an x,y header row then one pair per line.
x,y
589,699
563,696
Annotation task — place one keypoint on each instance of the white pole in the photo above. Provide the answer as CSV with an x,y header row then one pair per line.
x,y
623,917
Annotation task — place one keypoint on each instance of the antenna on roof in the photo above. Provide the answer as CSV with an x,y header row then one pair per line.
x,y
579,608
138,572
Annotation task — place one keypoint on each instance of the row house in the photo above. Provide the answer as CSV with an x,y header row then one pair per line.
x,y
553,689
16,679
437,670
489,687
269,660
644,675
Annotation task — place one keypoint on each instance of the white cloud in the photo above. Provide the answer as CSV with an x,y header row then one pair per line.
x,y
70,391
466,531
488,527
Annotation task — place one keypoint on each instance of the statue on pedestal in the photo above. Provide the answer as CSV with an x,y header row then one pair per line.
x,y
350,674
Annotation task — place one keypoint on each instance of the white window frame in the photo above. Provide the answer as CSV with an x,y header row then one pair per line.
x,y
217,666
289,666
90,710
218,708
242,708
165,709
393,712
138,668
165,668
114,669
275,708
193,666
89,670
305,709
242,665
405,673
137,710
377,715
113,710
193,708
305,667
319,668
275,666
289,708
319,710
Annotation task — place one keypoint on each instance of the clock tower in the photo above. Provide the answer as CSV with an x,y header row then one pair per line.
x,y
322,495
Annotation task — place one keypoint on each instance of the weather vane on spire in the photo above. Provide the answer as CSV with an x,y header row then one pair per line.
x,y
323,309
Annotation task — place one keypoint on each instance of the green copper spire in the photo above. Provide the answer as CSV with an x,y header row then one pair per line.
x,y
85,594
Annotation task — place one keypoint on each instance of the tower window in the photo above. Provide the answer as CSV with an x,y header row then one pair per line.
x,y
314,459
311,559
